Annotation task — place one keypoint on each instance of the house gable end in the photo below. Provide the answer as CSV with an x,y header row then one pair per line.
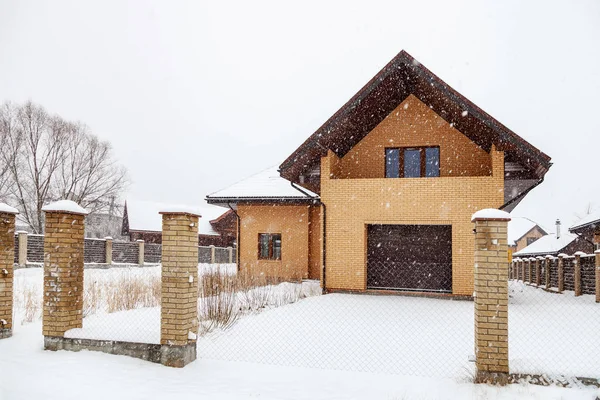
x,y
411,124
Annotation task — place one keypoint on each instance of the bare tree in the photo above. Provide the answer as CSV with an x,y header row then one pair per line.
x,y
47,158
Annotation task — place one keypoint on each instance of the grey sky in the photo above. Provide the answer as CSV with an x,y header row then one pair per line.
x,y
197,95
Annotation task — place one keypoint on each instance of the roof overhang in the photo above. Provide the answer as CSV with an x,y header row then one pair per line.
x,y
400,78
232,202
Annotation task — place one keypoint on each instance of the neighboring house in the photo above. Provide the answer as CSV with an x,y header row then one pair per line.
x,y
141,220
522,232
381,196
554,244
101,225
588,228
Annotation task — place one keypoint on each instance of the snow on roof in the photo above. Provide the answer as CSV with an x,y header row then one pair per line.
x,y
5,208
517,228
587,220
67,206
548,244
266,184
144,215
491,213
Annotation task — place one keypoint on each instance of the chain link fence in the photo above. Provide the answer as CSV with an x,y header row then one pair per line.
x,y
554,319
291,323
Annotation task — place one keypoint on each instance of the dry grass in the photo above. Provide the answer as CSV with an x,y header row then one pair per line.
x,y
225,297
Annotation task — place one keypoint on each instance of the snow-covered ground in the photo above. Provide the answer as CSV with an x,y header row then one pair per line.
x,y
551,333
28,372
389,339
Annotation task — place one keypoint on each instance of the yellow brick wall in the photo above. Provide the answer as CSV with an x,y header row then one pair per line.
x,y
7,255
292,221
534,233
412,123
352,204
63,273
179,310
315,256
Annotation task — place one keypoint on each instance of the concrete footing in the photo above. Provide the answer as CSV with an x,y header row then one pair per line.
x,y
169,355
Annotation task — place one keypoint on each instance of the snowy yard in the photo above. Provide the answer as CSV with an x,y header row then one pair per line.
x,y
344,346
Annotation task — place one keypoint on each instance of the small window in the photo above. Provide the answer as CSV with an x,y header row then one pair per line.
x,y
531,240
414,162
269,246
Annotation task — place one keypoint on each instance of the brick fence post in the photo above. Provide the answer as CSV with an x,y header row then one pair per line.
x,y
491,296
140,243
538,271
7,260
63,270
561,272
22,237
597,253
179,310
577,272
108,241
548,262
524,264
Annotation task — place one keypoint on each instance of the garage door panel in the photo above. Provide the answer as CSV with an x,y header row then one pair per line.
x,y
410,257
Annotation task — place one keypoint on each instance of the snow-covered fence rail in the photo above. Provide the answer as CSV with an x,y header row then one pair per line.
x,y
121,252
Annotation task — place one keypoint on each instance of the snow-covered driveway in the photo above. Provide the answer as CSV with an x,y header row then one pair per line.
x,y
385,334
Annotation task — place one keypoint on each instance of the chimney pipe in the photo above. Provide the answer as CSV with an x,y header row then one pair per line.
x,y
558,228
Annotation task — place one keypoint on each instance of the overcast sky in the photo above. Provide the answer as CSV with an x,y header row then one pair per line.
x,y
197,95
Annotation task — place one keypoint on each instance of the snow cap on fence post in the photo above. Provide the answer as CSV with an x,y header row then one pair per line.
x,y
7,258
179,285
491,295
63,270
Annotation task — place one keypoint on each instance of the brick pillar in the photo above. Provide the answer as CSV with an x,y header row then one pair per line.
x,y
577,273
549,260
7,260
140,243
597,252
22,235
491,296
524,264
230,252
179,311
108,249
212,254
538,271
561,272
63,270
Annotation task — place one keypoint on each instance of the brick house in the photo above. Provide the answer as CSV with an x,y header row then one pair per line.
x,y
380,196
142,221
556,243
522,232
588,228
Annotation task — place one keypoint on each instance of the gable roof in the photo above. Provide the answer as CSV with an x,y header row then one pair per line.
x,y
384,92
548,244
265,185
518,227
591,220
144,215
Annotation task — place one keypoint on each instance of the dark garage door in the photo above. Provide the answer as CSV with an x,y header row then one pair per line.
x,y
410,257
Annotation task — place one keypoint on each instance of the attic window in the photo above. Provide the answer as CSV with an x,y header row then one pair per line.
x,y
412,162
